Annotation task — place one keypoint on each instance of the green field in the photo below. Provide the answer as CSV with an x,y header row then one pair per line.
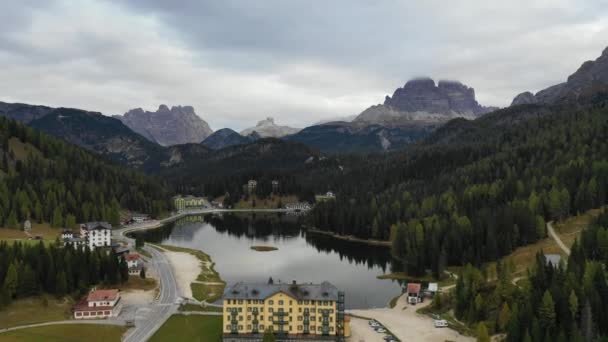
x,y
190,328
34,310
66,333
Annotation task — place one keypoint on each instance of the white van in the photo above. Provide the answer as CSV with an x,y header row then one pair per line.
x,y
441,323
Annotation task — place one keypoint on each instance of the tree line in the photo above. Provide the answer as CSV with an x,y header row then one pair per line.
x,y
31,269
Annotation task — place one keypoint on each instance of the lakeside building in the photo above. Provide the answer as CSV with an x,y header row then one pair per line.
x,y
298,206
98,304
139,217
275,186
328,196
293,312
134,263
96,234
252,185
414,293
188,202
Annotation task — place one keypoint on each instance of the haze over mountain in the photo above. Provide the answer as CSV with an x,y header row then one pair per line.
x,y
268,128
178,125
590,73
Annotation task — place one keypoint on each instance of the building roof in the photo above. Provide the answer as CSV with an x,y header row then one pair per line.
x,y
96,225
553,259
121,249
139,215
132,256
323,291
433,287
67,231
99,295
413,288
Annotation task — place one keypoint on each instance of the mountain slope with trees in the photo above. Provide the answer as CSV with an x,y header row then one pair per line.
x,y
45,179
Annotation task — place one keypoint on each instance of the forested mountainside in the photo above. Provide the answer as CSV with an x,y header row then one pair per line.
x,y
460,202
215,173
565,302
45,179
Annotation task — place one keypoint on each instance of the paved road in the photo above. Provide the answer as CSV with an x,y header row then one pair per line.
x,y
555,237
166,305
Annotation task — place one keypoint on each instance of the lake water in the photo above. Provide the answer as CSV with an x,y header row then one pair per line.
x,y
301,256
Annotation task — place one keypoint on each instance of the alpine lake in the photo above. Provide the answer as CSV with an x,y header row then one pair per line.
x,y
297,254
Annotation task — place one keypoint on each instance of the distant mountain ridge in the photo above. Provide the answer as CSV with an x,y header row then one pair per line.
x,y
267,128
589,74
226,137
178,125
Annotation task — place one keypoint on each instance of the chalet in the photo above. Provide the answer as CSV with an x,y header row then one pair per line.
x,y
553,260
134,263
67,234
252,185
97,234
414,293
328,196
139,217
76,242
98,304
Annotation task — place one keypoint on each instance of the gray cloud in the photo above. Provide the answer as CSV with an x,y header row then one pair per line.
x,y
299,61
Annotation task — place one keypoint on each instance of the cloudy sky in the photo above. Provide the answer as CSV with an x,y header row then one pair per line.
x,y
298,61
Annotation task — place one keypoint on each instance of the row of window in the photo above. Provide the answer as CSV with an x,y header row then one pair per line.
x,y
280,302
261,328
271,318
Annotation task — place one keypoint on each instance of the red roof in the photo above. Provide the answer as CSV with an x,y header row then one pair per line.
x,y
413,288
132,256
99,295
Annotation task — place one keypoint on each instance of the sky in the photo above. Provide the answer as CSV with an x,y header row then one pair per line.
x,y
239,61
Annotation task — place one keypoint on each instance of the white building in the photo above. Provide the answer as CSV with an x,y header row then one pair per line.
x,y
298,206
97,234
99,304
67,234
139,217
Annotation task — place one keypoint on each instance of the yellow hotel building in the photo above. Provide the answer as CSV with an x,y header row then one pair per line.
x,y
189,202
293,312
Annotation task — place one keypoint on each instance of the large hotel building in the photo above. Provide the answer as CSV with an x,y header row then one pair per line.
x,y
292,312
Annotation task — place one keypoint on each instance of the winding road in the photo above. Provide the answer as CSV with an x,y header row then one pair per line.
x,y
555,237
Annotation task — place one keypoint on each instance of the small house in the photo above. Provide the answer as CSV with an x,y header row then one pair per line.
x,y
98,304
414,293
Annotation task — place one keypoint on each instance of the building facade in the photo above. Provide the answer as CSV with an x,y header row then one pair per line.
x,y
96,234
252,185
293,312
99,304
188,202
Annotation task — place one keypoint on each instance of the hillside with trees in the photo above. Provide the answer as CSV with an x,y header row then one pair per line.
x,y
486,190
47,180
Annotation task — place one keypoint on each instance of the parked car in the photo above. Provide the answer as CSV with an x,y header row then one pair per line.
x,y
381,330
441,323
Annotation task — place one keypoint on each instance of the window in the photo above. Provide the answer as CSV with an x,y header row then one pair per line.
x,y
271,302
271,310
240,318
240,301
249,327
248,301
280,302
249,309
228,327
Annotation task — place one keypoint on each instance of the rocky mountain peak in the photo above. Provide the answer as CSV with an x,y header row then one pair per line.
x,y
178,125
589,74
268,128
421,100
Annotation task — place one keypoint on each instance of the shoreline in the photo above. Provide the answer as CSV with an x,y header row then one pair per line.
x,y
350,238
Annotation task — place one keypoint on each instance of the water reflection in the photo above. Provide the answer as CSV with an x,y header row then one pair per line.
x,y
302,256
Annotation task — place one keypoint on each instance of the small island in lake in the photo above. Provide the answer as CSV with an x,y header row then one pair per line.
x,y
264,248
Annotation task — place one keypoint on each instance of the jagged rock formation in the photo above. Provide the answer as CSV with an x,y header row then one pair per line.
x,y
589,74
423,101
178,125
227,137
268,128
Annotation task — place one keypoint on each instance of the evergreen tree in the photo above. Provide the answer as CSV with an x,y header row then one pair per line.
x,y
482,333
546,312
61,284
11,281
